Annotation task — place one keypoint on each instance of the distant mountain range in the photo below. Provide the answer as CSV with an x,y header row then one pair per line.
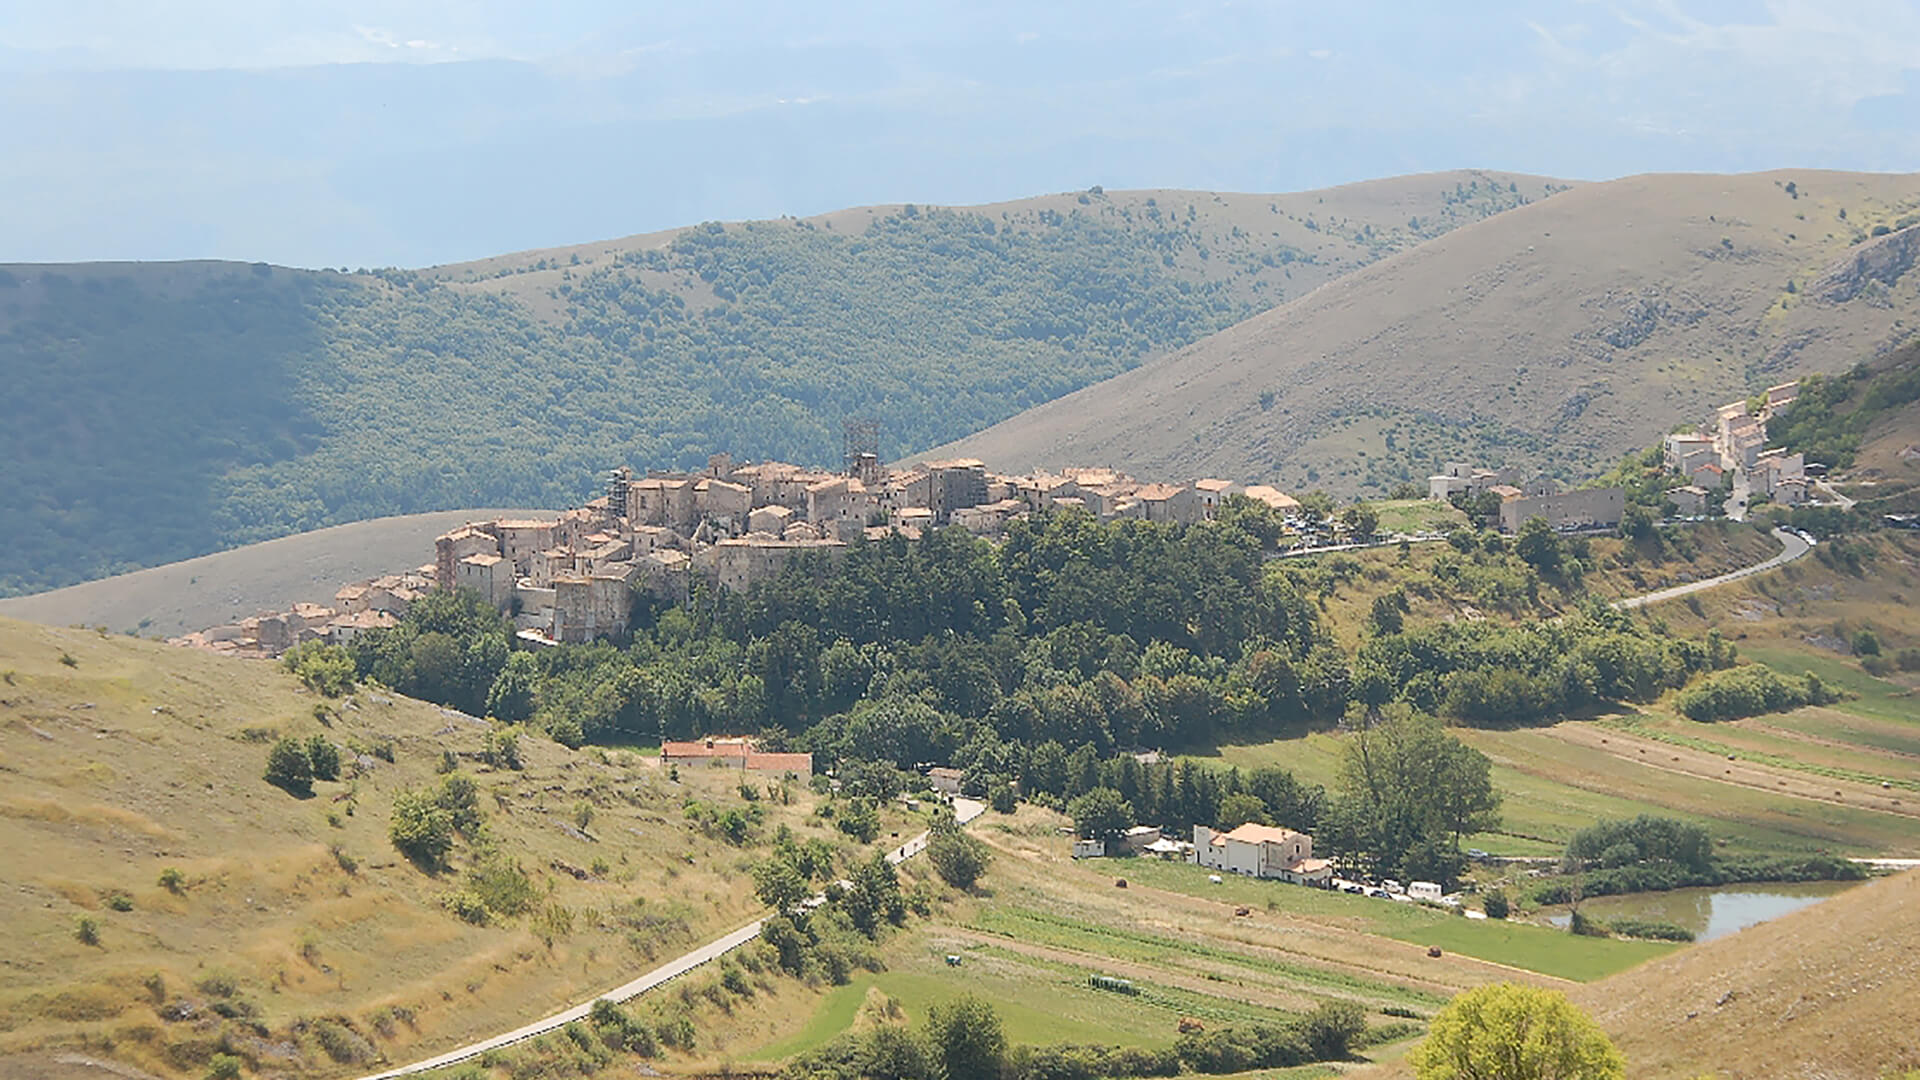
x,y
158,411
1559,335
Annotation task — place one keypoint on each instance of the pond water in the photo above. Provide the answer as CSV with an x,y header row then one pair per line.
x,y
1709,913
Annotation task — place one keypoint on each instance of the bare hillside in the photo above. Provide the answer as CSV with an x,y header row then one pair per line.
x,y
1561,334
1266,248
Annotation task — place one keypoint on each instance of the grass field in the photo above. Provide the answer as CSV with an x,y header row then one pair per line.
x,y
137,757
1418,515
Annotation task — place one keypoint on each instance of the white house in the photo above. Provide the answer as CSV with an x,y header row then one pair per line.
x,y
1424,890
1261,851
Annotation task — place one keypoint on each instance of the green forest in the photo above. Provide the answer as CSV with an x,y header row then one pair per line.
x,y
162,411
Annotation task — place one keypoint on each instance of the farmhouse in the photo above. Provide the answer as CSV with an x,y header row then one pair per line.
x,y
1261,851
734,752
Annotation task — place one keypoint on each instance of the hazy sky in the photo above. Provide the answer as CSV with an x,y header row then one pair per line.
x,y
409,132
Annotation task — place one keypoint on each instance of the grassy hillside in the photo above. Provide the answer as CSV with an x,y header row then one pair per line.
x,y
1866,424
295,935
1560,335
158,412
178,598
1825,991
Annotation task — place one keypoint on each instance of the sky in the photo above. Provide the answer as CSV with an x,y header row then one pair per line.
x,y
415,132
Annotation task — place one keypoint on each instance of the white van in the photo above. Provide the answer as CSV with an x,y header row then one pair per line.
x,y
1424,890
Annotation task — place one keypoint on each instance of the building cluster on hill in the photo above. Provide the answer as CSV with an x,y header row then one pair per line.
x,y
1732,456
374,604
1538,497
571,579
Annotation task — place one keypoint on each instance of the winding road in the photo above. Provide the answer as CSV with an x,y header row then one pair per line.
x,y
1791,548
964,811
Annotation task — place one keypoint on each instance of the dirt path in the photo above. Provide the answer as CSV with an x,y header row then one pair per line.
x,y
1700,764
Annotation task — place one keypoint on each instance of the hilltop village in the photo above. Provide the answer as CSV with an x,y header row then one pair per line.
x,y
571,579
728,525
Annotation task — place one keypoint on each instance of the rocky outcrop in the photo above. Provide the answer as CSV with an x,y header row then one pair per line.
x,y
1883,260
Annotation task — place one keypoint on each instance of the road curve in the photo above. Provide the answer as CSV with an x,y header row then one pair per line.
x,y
964,811
1791,548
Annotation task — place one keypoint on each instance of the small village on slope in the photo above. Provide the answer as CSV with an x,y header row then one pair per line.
x,y
571,579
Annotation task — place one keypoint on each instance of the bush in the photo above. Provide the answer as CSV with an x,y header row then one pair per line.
x,y
172,880
289,768
325,669
958,858
1508,1032
324,758
1586,927
500,884
223,1067
86,931
421,829
119,901
1496,905
468,906
1749,690
1647,928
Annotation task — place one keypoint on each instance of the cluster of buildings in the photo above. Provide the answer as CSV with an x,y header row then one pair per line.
x,y
1732,455
1250,850
732,525
571,579
374,604
1537,497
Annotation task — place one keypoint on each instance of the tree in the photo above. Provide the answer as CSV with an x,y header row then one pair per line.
x,y
511,697
892,1052
324,669
1241,807
421,829
1496,905
289,768
1361,520
965,1037
1409,791
325,758
1504,1031
779,885
1538,547
1101,814
958,858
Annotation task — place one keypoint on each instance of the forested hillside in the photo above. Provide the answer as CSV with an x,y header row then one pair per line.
x,y
162,411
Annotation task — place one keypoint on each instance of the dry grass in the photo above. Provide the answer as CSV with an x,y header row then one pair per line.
x,y
1590,322
266,902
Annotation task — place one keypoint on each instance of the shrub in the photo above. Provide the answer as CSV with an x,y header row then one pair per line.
x,y
119,901
1585,927
958,858
324,758
324,669
421,829
1749,690
1646,928
1003,800
172,880
1496,905
502,886
467,905
86,931
223,1067
289,768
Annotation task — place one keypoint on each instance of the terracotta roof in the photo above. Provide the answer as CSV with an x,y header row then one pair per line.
x,y
1213,485
1251,833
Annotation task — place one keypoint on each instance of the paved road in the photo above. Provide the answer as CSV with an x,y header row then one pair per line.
x,y
1791,548
964,810
1832,493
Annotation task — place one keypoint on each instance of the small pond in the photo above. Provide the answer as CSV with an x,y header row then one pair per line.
x,y
1709,913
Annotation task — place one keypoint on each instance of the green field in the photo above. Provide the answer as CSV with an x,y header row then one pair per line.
x,y
1516,944
1039,1001
1552,788
1417,515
